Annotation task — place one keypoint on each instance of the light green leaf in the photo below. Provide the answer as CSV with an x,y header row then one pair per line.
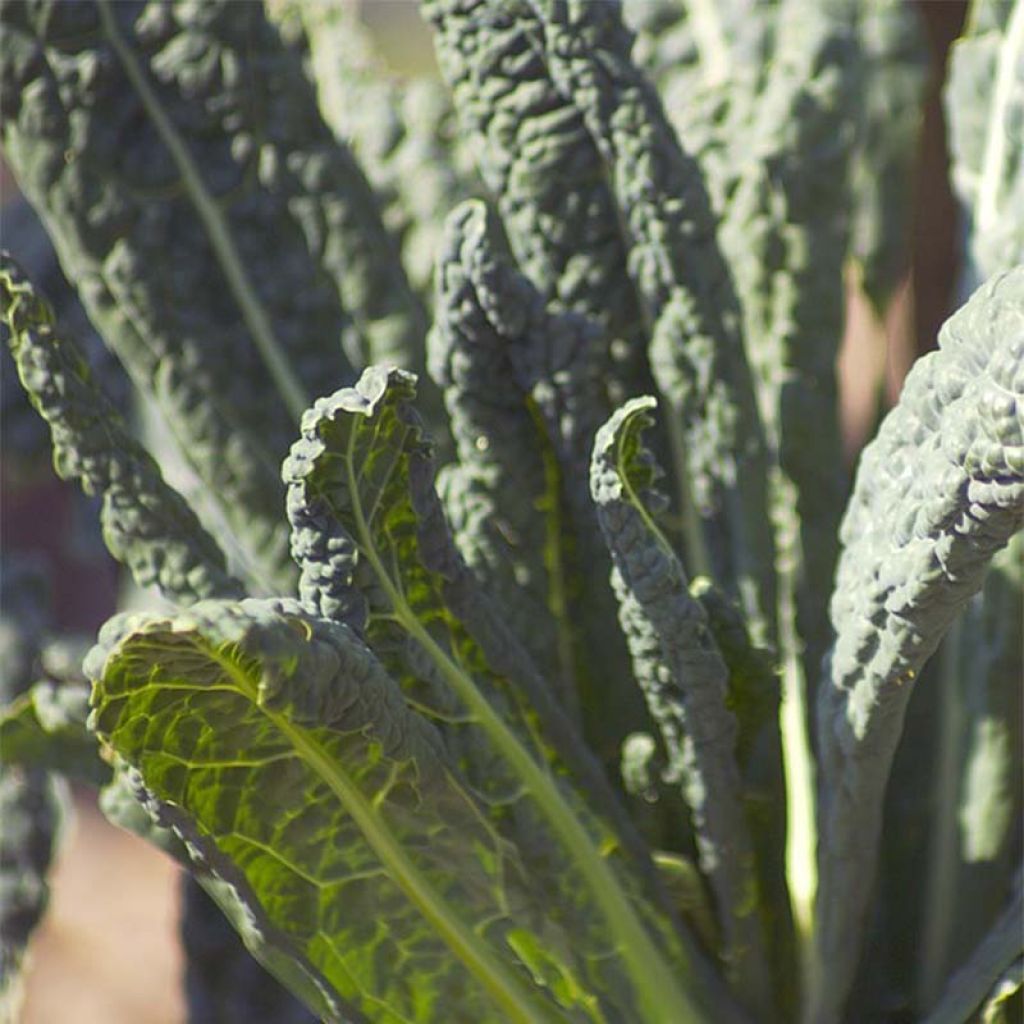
x,y
371,538
279,746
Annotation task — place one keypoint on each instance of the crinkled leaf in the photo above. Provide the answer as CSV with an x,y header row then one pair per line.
x,y
894,71
684,679
709,60
547,177
785,232
33,808
938,492
754,697
696,348
523,390
500,497
984,101
177,156
147,525
400,127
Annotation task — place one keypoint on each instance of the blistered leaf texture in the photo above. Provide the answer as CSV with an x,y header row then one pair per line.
x,y
785,231
147,525
195,196
684,678
985,109
401,128
938,492
524,393
536,157
499,496
894,69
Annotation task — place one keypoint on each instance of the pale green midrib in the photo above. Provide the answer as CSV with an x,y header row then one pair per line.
x,y
662,1000
794,718
255,316
477,956
627,483
1011,52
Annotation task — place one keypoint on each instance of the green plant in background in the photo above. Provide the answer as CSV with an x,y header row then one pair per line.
x,y
514,696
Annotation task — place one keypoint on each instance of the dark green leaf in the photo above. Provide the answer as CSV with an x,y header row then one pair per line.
x,y
684,679
177,156
985,110
147,525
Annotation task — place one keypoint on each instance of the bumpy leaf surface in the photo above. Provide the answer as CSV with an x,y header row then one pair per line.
x,y
785,231
524,393
147,525
500,496
985,110
938,492
709,61
400,127
208,217
561,74
696,350
894,72
537,159
684,678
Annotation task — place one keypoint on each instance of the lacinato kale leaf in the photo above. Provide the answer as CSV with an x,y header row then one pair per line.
x,y
207,214
374,547
147,525
523,389
938,493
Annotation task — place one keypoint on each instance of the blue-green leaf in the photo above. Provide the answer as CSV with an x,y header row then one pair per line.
x,y
177,156
684,679
938,493
147,525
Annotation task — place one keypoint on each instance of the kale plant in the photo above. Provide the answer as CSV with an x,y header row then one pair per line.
x,y
521,651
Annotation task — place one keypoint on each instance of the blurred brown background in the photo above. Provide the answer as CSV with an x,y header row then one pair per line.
x,y
107,952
